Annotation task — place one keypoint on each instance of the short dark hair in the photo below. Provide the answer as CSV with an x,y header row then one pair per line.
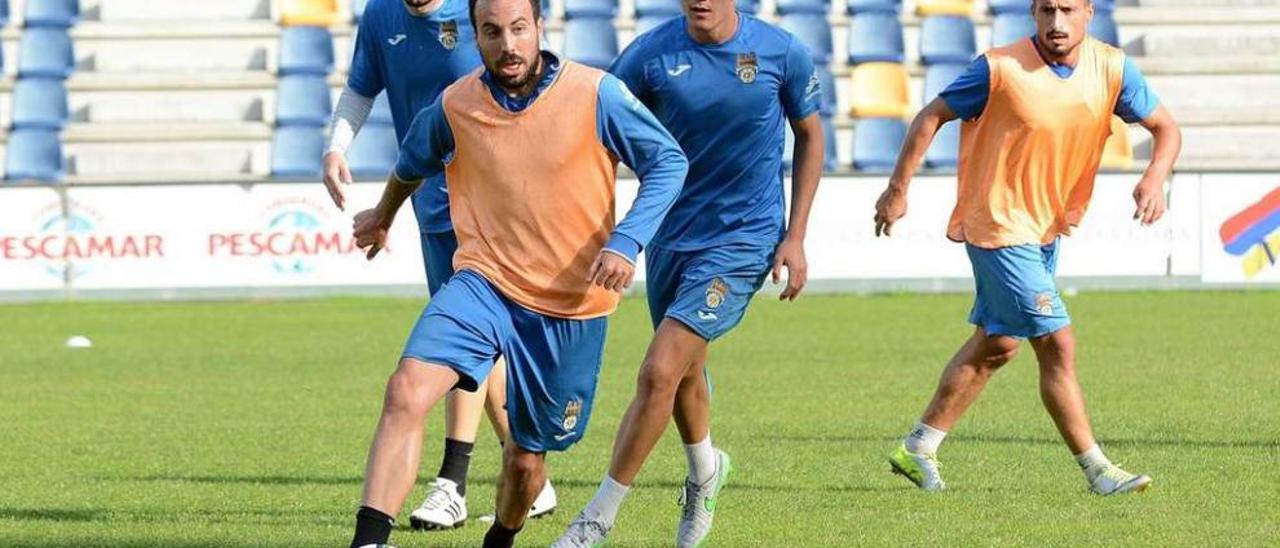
x,y
471,11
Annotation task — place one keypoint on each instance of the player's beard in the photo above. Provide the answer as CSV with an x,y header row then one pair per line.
x,y
519,85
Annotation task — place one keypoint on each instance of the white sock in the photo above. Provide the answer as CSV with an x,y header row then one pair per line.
x,y
924,439
604,506
1093,462
702,461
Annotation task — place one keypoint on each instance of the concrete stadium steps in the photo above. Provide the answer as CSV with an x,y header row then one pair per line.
x,y
177,159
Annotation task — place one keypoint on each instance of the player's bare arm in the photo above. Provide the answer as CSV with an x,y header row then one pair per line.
x,y
1167,140
611,271
892,204
372,225
806,172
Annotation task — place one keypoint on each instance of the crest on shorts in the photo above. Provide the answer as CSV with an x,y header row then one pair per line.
x,y
1044,303
448,34
571,412
748,67
716,292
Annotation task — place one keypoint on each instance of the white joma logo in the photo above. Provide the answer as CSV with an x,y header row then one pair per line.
x,y
706,316
562,437
396,41
680,69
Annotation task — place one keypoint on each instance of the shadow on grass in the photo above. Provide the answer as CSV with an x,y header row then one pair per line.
x,y
559,482
252,480
50,514
1023,440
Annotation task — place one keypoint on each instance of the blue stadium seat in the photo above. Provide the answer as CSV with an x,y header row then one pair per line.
x,y
828,82
853,7
306,50
52,13
381,113
590,8
875,37
947,39
34,154
1108,6
45,52
357,9
747,6
303,100
374,152
944,152
938,77
1008,28
785,7
4,12
831,159
39,103
657,7
813,31
591,41
296,151
876,142
997,7
646,23
1103,27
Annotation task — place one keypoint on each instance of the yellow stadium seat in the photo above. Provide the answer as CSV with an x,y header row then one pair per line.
x,y
1118,153
880,90
926,8
308,13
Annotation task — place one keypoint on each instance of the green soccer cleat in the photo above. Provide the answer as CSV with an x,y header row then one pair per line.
x,y
1114,481
698,505
921,469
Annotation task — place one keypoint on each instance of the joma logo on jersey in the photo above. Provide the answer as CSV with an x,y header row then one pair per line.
x,y
449,34
748,67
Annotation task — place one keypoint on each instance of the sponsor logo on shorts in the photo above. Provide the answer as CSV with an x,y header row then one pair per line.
x,y
571,413
1044,303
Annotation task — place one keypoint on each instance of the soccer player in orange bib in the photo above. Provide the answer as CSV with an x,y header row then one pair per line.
x,y
1036,116
529,146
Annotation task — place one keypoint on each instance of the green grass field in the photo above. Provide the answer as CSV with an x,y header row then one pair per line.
x,y
247,424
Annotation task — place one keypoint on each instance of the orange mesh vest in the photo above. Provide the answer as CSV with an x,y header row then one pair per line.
x,y
531,193
1027,164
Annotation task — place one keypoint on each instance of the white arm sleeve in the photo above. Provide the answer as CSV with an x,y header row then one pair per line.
x,y
351,113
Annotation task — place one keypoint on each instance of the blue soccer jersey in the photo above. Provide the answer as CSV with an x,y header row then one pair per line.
x,y
726,104
414,58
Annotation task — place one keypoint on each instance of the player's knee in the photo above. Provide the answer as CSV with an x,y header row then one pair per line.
x,y
998,351
658,379
405,395
522,468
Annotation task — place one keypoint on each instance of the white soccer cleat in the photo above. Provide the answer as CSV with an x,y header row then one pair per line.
x,y
377,546
922,469
545,504
1113,480
582,533
443,509
698,504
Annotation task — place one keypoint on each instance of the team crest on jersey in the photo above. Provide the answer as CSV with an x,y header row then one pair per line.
x,y
1044,303
448,34
716,292
748,67
571,412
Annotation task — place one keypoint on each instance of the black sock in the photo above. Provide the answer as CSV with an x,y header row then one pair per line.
x,y
500,537
372,527
457,459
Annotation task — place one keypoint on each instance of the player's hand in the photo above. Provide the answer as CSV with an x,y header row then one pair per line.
x,y
611,271
371,232
1149,196
790,254
336,175
891,207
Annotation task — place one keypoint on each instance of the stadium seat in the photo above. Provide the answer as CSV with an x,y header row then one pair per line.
x,y
947,39
879,90
875,37
45,52
303,100
381,112
1117,153
997,7
39,103
308,13
646,23
4,12
357,9
666,8
876,142
854,7
944,152
591,41
1103,27
296,151
748,6
34,154
590,8
938,77
1108,6
306,50
1007,28
59,14
813,31
374,152
785,7
828,82
831,160
926,8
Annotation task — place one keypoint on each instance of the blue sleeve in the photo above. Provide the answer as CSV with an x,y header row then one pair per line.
x,y
801,87
636,138
427,146
1137,100
629,67
365,75
967,95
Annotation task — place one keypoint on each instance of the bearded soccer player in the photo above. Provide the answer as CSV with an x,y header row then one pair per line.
x,y
1036,115
529,147
724,83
